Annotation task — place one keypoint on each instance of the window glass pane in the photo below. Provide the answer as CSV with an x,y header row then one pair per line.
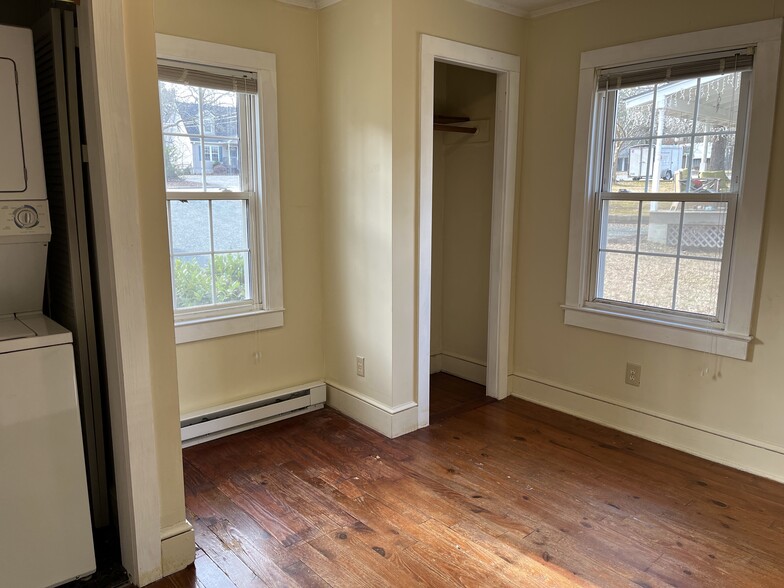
x,y
719,101
698,286
616,276
660,226
222,171
676,103
634,111
636,170
180,155
230,225
192,281
190,226
630,163
655,281
703,229
620,225
711,168
179,108
221,112
231,277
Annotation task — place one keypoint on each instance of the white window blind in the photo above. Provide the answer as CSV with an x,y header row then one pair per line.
x,y
676,69
215,78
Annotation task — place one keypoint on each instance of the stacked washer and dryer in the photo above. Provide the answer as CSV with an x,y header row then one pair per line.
x,y
46,537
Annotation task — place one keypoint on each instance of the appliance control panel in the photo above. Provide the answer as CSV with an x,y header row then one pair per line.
x,y
19,218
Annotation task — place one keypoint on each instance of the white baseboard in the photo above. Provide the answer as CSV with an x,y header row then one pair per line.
x,y
473,370
178,547
762,459
435,363
390,421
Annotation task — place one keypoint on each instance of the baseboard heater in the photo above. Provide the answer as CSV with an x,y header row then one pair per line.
x,y
219,421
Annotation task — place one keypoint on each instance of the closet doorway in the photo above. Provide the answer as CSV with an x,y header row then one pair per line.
x,y
468,136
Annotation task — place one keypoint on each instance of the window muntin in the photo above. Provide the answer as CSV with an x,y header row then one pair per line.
x,y
208,136
667,193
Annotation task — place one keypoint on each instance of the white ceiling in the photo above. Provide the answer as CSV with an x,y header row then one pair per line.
x,y
525,8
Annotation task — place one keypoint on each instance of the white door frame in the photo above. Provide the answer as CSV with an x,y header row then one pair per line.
x,y
507,70
121,285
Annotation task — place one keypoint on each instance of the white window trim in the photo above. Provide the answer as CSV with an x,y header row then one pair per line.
x,y
271,263
733,337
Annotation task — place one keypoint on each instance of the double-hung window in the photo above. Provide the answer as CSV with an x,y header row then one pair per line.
x,y
218,124
669,187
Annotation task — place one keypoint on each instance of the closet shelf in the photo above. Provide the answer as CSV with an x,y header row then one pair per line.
x,y
444,123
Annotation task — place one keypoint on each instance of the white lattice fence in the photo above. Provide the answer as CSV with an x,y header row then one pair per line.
x,y
697,236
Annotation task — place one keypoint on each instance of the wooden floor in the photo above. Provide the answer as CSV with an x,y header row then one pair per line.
x,y
502,494
450,396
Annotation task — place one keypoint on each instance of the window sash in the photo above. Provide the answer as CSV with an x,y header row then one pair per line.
x,y
607,110
591,296
254,299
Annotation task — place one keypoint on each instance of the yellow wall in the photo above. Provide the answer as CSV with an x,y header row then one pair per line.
x,y
222,370
356,94
148,153
739,398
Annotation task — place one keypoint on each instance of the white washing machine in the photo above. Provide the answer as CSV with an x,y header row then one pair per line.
x,y
46,537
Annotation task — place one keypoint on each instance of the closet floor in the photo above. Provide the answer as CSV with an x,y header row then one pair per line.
x,y
450,396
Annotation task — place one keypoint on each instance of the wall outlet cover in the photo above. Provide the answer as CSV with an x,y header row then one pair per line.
x,y
633,374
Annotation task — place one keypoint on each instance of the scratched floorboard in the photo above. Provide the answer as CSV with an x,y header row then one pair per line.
x,y
491,494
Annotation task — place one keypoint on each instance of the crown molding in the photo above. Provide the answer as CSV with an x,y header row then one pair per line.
x,y
310,4
502,6
512,7
565,5
516,8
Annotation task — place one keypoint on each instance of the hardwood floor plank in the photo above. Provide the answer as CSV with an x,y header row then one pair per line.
x,y
210,575
337,549
302,575
231,565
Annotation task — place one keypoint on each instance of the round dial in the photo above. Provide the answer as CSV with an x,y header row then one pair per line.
x,y
26,217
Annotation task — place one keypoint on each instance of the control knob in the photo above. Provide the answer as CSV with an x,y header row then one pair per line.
x,y
26,217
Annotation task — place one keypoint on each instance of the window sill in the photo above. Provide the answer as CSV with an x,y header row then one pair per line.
x,y
223,326
714,341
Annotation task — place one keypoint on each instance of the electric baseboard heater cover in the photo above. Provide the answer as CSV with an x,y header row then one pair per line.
x,y
201,426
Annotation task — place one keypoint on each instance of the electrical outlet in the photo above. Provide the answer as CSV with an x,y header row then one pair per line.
x,y
633,374
360,366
